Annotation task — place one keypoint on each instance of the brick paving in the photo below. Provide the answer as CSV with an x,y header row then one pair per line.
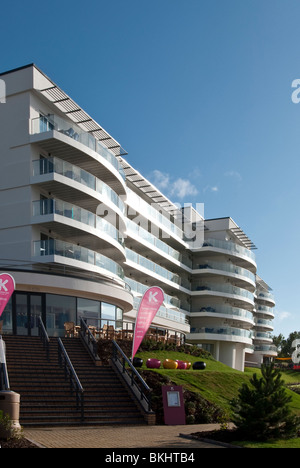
x,y
120,437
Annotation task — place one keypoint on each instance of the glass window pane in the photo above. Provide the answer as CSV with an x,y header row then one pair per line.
x,y
119,318
89,310
35,313
59,309
108,314
22,314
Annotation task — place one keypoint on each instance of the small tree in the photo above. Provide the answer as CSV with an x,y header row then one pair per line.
x,y
262,410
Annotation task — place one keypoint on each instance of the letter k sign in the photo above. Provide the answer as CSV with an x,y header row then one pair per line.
x,y
152,296
2,285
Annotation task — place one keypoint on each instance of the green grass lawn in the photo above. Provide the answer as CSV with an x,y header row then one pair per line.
x,y
288,443
219,384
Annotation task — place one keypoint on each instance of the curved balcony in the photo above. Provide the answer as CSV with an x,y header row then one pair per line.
x,y
229,248
54,133
159,220
262,310
158,272
171,301
221,334
166,313
262,336
55,175
225,312
223,290
263,323
158,249
78,224
210,267
265,296
267,350
66,253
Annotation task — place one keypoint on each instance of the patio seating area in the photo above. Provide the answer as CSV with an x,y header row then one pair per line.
x,y
120,330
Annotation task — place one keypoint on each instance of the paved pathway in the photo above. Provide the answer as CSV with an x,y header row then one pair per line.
x,y
120,437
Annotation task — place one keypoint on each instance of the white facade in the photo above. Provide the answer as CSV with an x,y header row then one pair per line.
x,y
78,221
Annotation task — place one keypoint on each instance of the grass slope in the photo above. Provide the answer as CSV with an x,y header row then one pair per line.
x,y
218,383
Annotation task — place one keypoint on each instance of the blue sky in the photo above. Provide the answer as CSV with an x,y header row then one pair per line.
x,y
199,94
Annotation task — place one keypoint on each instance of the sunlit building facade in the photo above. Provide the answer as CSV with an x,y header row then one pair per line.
x,y
84,234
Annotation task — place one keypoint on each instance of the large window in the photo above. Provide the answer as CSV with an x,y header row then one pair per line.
x,y
23,311
59,309
22,314
89,311
108,314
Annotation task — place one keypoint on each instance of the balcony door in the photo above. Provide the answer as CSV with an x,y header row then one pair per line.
x,y
28,310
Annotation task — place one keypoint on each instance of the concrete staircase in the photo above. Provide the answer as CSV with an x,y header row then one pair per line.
x,y
45,394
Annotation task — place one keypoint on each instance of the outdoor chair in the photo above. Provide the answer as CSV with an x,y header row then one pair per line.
x,y
69,329
105,331
111,332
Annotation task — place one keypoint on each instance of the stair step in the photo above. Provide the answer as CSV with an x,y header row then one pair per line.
x,y
45,394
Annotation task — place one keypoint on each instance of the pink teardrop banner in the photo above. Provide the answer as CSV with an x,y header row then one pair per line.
x,y
7,287
150,303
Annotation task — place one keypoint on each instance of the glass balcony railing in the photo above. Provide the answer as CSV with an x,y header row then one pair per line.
x,y
138,231
264,310
265,295
45,124
266,348
60,248
224,331
155,268
263,323
58,166
226,288
226,310
229,267
231,246
262,335
164,312
141,206
62,208
170,300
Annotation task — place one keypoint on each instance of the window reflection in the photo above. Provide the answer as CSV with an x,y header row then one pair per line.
x,y
108,313
89,310
22,313
59,309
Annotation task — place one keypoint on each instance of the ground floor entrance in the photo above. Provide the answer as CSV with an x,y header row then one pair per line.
x,y
28,309
61,316
23,311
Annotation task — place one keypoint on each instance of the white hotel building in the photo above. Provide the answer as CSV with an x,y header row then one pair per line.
x,y
84,234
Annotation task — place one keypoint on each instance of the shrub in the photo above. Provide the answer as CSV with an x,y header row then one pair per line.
x,y
7,431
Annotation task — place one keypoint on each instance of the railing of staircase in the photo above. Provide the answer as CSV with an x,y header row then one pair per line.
x,y
4,381
89,339
131,376
70,374
44,337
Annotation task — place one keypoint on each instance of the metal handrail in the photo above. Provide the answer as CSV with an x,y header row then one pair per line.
x,y
89,338
44,337
75,385
134,380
